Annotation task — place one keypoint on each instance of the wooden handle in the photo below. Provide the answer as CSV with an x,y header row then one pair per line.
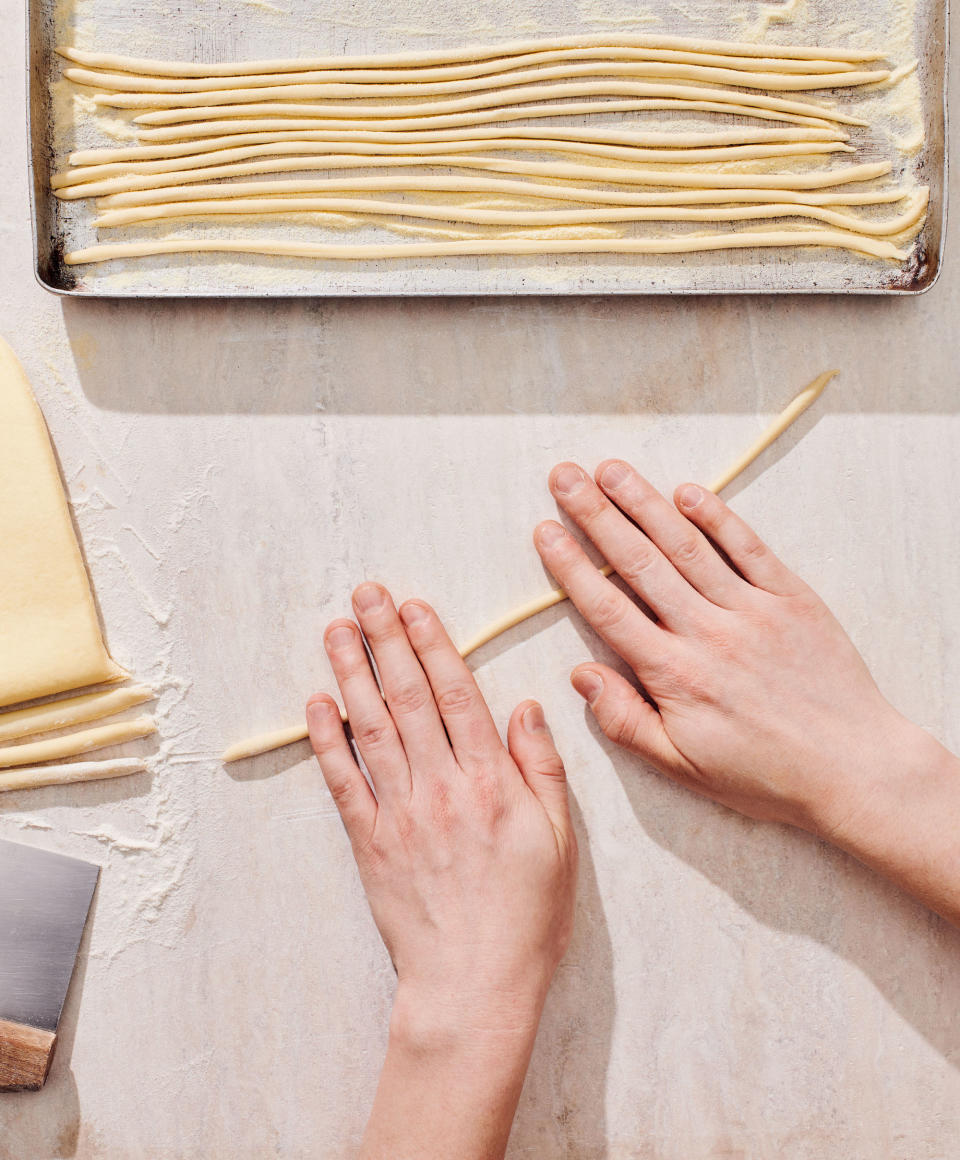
x,y
25,1057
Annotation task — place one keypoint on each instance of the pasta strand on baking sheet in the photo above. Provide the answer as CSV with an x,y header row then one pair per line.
x,y
176,124
331,84
504,97
488,247
376,71
666,179
496,186
599,134
272,206
432,149
122,63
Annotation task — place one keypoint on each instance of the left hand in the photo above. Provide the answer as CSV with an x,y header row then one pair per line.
x,y
464,846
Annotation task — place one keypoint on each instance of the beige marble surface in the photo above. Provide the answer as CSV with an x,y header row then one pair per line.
x,y
735,991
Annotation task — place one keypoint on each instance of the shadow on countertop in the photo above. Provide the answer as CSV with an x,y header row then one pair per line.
x,y
451,356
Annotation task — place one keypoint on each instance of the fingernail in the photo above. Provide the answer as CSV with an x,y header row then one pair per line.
x,y
550,534
589,685
534,720
569,480
340,637
368,598
614,475
413,614
690,495
320,713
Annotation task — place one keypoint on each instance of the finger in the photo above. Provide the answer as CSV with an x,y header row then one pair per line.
x,y
405,685
464,712
345,781
610,612
687,549
634,558
532,748
370,722
732,535
625,717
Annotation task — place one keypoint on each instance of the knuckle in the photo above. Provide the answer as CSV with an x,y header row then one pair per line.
x,y
752,548
551,767
409,699
638,563
688,550
621,726
459,697
609,610
372,734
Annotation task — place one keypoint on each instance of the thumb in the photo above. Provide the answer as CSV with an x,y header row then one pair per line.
x,y
624,716
532,748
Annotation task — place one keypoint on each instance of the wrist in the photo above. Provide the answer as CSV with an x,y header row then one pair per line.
x,y
427,1020
903,768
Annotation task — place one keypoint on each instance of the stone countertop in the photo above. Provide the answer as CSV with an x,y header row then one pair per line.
x,y
734,989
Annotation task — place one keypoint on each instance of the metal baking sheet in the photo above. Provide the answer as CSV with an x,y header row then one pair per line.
x,y
208,30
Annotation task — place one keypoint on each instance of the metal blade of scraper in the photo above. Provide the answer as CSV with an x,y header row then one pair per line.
x,y
44,902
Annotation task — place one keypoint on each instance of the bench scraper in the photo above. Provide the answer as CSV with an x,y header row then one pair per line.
x,y
44,902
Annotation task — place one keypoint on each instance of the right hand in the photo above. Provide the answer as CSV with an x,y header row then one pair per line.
x,y
759,699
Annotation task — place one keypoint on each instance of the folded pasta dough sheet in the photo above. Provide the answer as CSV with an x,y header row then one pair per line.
x,y
50,638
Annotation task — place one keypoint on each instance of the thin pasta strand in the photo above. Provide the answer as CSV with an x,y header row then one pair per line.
x,y
490,247
502,97
373,72
680,140
176,124
121,63
330,83
268,206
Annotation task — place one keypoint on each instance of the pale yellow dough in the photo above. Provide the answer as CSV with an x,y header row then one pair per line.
x,y
428,153
71,711
414,59
272,206
484,186
90,163
73,744
375,72
266,742
667,179
491,247
331,83
50,639
75,771
516,94
174,124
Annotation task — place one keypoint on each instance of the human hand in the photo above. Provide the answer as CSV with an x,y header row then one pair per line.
x,y
759,699
465,847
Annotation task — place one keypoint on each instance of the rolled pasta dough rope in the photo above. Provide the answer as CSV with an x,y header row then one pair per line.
x,y
74,771
432,149
126,80
155,67
607,175
71,711
331,83
175,124
451,213
490,247
266,742
709,140
86,741
519,94
483,185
